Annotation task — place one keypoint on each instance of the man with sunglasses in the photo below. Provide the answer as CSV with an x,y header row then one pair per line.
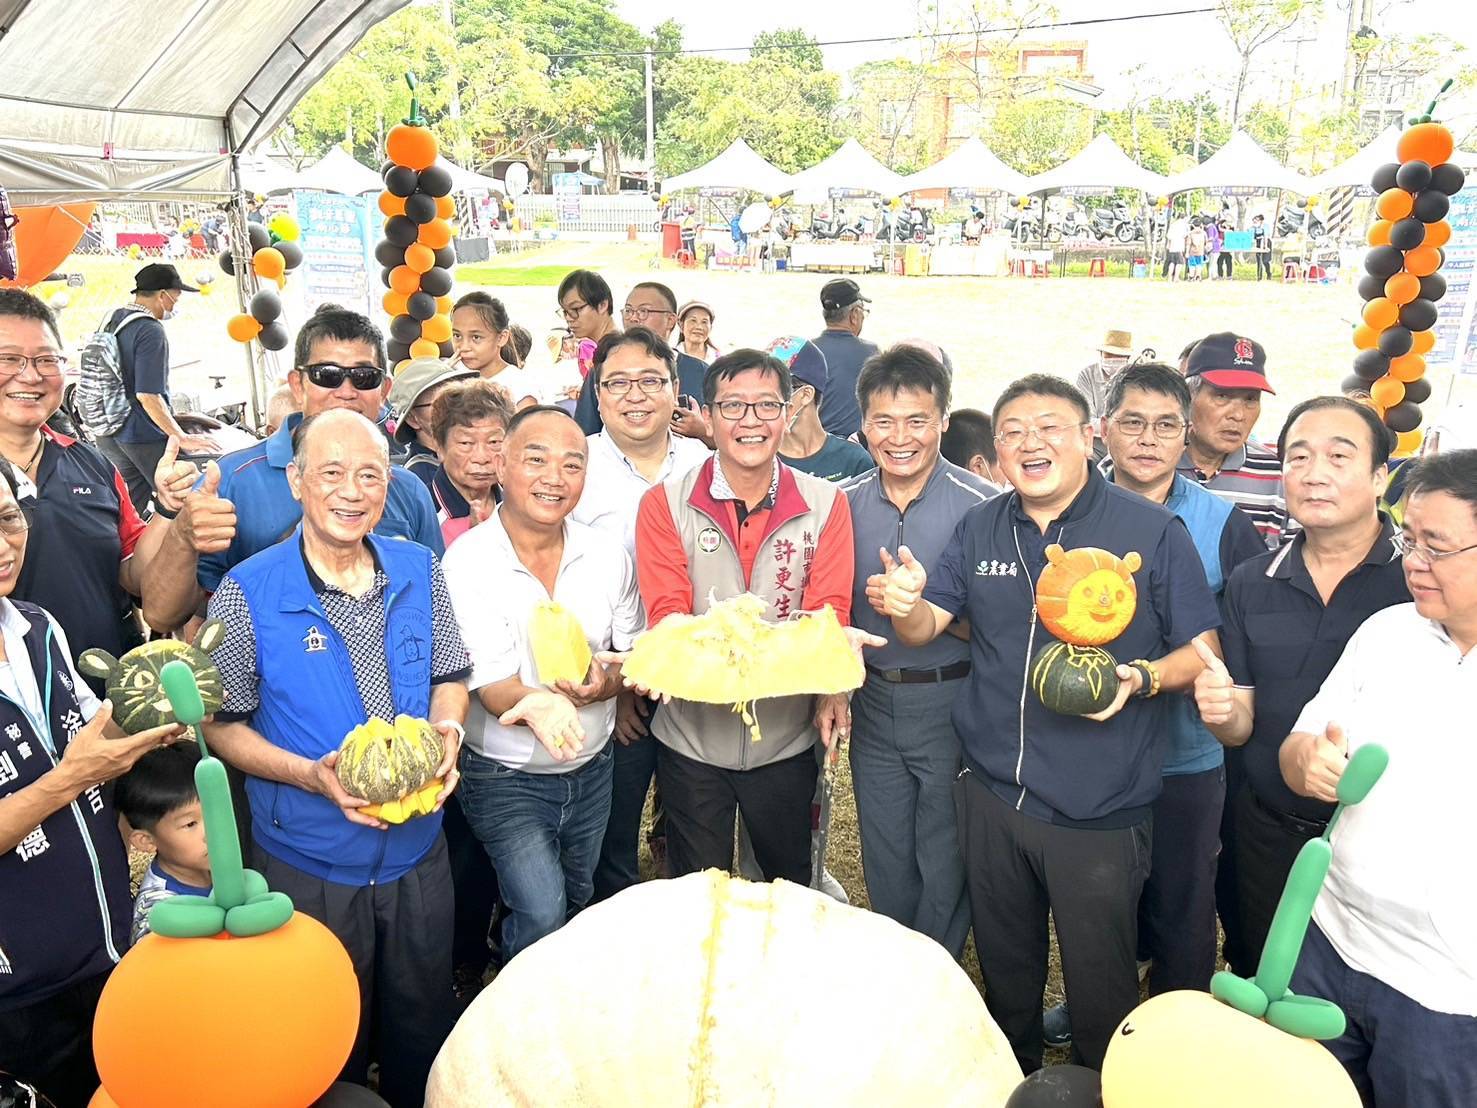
x,y
340,363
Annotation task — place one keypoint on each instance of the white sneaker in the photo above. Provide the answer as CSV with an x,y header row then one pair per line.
x,y
832,888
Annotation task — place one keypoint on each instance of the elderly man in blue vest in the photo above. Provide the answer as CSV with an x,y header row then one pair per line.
x,y
329,627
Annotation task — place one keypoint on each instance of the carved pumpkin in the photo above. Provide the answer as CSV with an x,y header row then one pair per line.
x,y
560,650
1086,596
133,683
392,765
1074,680
738,1001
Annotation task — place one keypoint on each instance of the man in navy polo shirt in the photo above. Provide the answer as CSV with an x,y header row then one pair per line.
x,y
1055,810
845,310
1288,615
340,358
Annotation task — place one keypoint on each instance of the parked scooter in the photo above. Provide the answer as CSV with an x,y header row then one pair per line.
x,y
1115,221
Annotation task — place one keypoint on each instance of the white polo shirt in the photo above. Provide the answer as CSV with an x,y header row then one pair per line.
x,y
614,487
1400,902
494,596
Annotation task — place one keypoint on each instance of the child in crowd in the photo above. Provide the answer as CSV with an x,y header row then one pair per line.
x,y
161,816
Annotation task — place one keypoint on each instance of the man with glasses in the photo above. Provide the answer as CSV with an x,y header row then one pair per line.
x,y
1288,614
808,446
340,363
1394,935
742,522
1055,810
1227,376
845,311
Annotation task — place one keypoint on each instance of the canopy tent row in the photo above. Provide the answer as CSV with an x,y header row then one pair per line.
x,y
850,167
337,171
1241,163
972,165
738,167
1101,164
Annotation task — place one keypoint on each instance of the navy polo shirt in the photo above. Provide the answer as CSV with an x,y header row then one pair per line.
x,y
1282,640
143,364
1066,769
845,355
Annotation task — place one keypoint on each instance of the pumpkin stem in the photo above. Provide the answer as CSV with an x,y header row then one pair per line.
x,y
415,119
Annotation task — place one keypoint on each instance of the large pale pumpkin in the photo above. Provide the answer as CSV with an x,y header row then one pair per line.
x,y
386,763
133,684
734,994
560,650
1086,596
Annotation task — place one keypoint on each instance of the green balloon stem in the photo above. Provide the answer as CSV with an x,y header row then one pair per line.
x,y
415,118
228,882
1290,922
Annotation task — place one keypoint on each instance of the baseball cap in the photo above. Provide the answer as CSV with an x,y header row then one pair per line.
x,y
841,293
806,360
1230,361
157,277
692,305
419,375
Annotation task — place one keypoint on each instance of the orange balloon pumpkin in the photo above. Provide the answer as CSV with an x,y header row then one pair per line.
x,y
394,303
1423,261
1379,233
436,329
436,234
1403,288
1387,392
412,146
1380,312
1394,204
390,204
1425,142
1086,596
404,280
1423,342
424,348
271,1019
1407,367
243,328
421,258
1437,234
1365,336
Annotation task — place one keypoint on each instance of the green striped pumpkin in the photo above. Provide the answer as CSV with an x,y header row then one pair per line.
x,y
133,684
1074,680
380,761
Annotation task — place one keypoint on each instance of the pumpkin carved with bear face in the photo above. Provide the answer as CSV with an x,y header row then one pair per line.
x,y
133,683
1086,596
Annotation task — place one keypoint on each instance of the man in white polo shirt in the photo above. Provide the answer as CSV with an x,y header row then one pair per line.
x,y
1394,940
536,768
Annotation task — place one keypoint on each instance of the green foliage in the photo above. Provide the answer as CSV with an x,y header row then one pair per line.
x,y
1268,125
1034,135
1159,133
789,46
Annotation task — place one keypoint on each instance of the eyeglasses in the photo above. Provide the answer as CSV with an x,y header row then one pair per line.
x,y
883,426
326,375
735,410
641,315
620,386
48,365
1053,434
569,315
1409,547
16,521
1164,429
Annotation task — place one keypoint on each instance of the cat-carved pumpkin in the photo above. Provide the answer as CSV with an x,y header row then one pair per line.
x,y
392,765
1086,596
133,681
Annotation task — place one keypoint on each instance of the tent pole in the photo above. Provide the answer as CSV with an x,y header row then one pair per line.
x,y
241,259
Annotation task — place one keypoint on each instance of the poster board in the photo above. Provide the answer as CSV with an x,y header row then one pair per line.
x,y
338,237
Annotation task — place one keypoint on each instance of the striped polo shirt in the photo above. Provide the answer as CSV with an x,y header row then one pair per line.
x,y
1251,479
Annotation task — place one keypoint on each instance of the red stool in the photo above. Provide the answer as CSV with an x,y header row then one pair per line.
x,y
1098,267
685,259
1292,272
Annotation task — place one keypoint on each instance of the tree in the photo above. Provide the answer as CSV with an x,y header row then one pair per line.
x,y
789,46
1033,135
1252,24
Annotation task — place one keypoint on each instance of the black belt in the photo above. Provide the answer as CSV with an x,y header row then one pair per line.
x,y
1298,825
921,676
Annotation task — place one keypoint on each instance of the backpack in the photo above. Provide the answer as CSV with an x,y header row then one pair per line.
x,y
102,400
9,266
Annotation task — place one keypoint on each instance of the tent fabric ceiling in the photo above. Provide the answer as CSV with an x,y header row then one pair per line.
x,y
137,98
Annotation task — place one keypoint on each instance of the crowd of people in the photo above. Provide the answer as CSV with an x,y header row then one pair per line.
x,y
384,549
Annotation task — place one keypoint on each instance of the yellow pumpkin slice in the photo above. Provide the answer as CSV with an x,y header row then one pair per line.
x,y
560,649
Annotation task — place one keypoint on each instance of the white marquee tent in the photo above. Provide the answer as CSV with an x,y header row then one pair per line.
x,y
850,167
1241,163
738,167
264,176
1099,164
1356,171
973,165
337,171
465,180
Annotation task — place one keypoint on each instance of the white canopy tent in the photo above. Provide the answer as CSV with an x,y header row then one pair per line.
x,y
337,171
153,101
1099,164
738,167
850,167
1241,163
263,176
973,165
465,180
1356,171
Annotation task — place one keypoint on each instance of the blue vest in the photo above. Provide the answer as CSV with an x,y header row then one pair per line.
x,y
309,702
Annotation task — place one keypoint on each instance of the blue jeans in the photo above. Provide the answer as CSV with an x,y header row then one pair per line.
x,y
543,833
1397,1052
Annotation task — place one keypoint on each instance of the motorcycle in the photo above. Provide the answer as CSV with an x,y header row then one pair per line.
x,y
1076,224
1293,219
1025,228
824,227
913,225
1116,222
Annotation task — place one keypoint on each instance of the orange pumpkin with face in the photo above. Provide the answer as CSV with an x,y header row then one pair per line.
x,y
1086,596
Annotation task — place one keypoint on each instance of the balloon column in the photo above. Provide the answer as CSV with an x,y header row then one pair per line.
x,y
416,251
1401,281
274,254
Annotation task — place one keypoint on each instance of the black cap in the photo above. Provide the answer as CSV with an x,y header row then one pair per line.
x,y
841,293
159,277
1229,361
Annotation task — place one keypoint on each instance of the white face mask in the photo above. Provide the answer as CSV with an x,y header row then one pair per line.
x,y
169,312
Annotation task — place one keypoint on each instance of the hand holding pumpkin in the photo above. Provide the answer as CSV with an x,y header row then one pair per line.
x,y
601,683
1130,680
905,580
92,757
1214,690
322,778
618,658
553,720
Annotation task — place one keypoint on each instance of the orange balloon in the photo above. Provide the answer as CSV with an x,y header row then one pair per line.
x,y
1394,204
419,258
411,146
1437,234
1423,342
445,207
268,263
1365,336
1408,443
401,364
101,1099
1407,367
404,280
1380,312
394,303
1379,233
243,328
436,234
272,1019
44,238
443,306
1387,392
1425,142
424,348
391,204
436,329
1403,288
1423,261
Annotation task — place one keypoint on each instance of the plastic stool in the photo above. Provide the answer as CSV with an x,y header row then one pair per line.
x,y
1292,272
1098,267
685,259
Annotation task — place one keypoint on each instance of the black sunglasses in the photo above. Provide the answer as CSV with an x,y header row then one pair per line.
x,y
326,375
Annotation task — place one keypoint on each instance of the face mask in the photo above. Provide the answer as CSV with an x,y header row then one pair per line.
x,y
169,312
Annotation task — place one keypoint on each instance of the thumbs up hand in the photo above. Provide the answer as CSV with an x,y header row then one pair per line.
x,y
173,478
207,521
904,578
1322,762
1214,690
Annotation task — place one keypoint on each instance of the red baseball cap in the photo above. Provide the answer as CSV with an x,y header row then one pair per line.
x,y
1230,361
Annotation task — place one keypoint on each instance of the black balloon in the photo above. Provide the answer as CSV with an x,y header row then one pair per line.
x,y
436,281
1431,206
1418,391
1371,286
401,180
385,275
1404,416
398,351
436,181
420,208
274,336
1407,234
1433,288
446,257
388,254
402,232
1354,384
1448,178
1418,315
1371,365
266,306
405,329
446,349
1394,341
421,305
1384,177
292,253
1058,1087
258,236
228,262
1413,176
1382,261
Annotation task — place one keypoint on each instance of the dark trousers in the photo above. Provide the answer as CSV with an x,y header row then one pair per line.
x,y
136,461
701,801
635,766
49,1044
1177,909
1398,1053
1267,844
398,935
1264,264
1223,263
474,884
1227,895
1018,870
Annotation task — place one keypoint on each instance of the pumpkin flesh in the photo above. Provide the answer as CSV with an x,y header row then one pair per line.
x,y
383,762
